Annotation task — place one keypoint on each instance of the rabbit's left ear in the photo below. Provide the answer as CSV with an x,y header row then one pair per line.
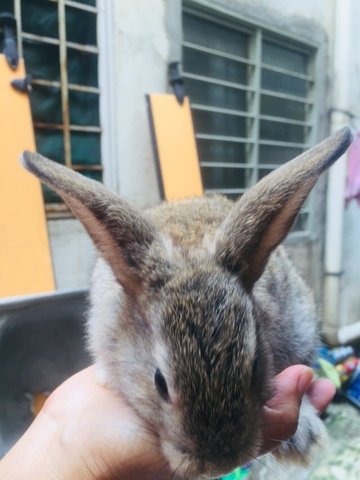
x,y
263,216
121,233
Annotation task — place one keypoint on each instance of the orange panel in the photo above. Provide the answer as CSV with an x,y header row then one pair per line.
x,y
176,149
25,260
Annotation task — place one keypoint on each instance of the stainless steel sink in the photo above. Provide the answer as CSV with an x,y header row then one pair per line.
x,y
42,342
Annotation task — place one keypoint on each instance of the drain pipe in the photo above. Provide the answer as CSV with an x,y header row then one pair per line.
x,y
340,117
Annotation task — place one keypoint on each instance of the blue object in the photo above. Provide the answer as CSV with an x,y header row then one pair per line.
x,y
352,390
336,355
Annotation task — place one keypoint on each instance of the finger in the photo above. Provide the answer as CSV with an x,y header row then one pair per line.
x,y
291,382
321,392
280,414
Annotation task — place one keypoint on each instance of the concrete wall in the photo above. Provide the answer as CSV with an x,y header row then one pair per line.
x,y
73,253
295,15
137,40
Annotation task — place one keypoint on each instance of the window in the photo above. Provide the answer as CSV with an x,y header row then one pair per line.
x,y
251,98
58,40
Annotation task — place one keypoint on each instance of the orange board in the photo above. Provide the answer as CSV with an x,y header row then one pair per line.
x,y
25,259
175,147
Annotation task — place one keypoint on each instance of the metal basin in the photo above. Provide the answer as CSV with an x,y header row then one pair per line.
x,y
42,342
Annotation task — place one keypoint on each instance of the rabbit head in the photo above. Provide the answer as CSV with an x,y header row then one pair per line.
x,y
190,348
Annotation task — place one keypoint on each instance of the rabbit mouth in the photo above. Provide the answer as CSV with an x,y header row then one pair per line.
x,y
186,466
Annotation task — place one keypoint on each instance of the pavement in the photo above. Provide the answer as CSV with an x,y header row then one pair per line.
x,y
339,459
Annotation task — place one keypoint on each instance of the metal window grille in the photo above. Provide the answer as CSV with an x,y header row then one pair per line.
x,y
58,41
252,101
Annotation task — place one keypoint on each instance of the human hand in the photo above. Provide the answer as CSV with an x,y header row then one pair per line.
x,y
90,433
280,414
109,438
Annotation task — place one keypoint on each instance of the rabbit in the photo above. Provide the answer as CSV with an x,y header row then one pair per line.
x,y
195,307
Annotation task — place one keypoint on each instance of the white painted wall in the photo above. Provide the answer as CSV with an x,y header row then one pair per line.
x,y
140,56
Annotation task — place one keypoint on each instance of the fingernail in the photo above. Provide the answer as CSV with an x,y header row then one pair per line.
x,y
306,377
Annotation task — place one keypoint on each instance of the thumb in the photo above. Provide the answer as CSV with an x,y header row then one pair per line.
x,y
281,412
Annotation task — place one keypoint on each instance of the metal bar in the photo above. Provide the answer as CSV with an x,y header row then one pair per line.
x,y
40,38
88,168
223,138
285,120
217,53
80,6
269,166
85,128
72,128
284,144
225,111
310,136
58,210
84,88
82,48
215,81
17,11
254,129
55,41
286,96
72,86
64,82
49,126
225,190
226,165
284,71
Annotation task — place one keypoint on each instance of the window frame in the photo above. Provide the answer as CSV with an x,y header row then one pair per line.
x,y
258,33
65,87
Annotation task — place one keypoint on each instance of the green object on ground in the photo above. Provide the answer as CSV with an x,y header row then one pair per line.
x,y
330,372
239,474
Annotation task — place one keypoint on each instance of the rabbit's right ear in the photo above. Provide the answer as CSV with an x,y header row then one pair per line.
x,y
263,216
119,231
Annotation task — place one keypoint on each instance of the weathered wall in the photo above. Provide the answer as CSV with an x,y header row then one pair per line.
x,y
295,15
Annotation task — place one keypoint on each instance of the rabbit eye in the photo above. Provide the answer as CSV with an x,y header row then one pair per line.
x,y
161,385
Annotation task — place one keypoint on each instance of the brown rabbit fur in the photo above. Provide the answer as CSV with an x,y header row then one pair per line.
x,y
195,308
